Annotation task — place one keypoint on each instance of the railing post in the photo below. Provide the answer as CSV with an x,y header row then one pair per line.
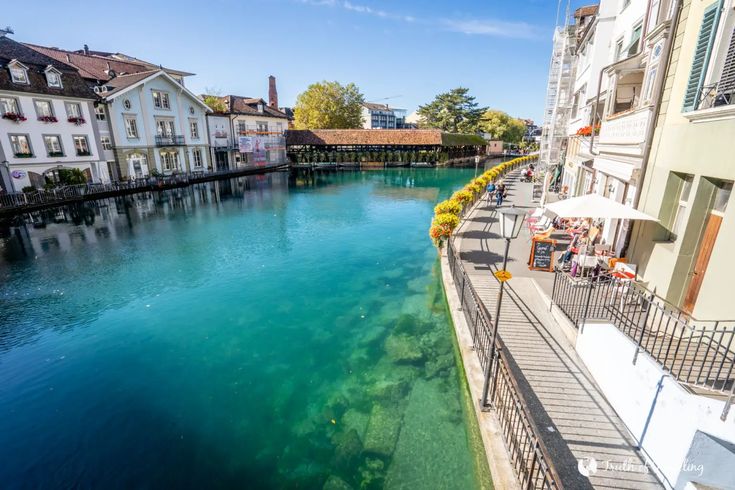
x,y
553,289
643,328
728,403
533,464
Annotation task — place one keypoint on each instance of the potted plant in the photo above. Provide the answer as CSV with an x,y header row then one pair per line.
x,y
78,120
48,119
14,116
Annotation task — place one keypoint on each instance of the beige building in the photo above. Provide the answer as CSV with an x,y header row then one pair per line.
x,y
691,168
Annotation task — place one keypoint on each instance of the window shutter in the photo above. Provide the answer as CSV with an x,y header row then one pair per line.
x,y
701,56
727,80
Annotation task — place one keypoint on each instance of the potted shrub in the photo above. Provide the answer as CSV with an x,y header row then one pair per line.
x,y
14,116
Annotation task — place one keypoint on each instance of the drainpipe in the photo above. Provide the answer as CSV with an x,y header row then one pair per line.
x,y
666,56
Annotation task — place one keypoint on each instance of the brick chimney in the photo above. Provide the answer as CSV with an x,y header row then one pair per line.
x,y
272,92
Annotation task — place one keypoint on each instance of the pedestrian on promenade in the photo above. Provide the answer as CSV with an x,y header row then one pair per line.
x,y
499,193
490,190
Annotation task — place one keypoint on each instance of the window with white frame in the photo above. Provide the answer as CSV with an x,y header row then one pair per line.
x,y
194,129
53,145
53,78
82,146
196,155
18,73
653,63
712,75
21,145
169,160
9,105
131,127
165,127
44,108
618,49
106,142
242,127
99,112
73,109
262,126
635,41
161,100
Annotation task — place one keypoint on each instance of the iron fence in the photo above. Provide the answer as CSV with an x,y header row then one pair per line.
x,y
528,455
695,352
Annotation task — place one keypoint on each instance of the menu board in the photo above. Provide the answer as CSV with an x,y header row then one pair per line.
x,y
542,255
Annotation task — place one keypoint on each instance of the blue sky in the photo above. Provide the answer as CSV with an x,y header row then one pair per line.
x,y
411,49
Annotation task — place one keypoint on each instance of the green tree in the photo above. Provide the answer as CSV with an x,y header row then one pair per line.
x,y
329,105
502,126
455,111
215,103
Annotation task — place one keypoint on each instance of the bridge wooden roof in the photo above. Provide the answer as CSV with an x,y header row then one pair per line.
x,y
380,137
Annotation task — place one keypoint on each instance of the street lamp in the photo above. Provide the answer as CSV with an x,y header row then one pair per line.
x,y
511,221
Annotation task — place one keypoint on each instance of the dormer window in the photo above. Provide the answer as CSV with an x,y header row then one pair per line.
x,y
260,108
53,77
18,72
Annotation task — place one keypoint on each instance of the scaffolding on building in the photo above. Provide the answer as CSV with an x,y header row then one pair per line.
x,y
558,96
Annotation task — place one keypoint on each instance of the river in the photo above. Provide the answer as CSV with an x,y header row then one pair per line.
x,y
276,331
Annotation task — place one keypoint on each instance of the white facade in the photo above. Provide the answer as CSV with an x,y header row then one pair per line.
x,y
34,148
157,126
269,129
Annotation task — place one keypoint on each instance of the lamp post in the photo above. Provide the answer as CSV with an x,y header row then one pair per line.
x,y
511,221
477,162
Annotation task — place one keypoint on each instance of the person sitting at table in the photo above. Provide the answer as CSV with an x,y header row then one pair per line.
x,y
572,248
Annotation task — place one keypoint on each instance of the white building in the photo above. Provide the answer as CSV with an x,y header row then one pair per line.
x,y
156,125
151,132
47,122
382,116
248,132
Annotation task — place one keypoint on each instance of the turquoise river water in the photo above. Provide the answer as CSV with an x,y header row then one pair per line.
x,y
267,332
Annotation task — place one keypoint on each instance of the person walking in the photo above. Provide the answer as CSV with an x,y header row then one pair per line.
x,y
499,193
490,191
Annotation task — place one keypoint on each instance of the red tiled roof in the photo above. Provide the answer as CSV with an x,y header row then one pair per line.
x,y
249,105
95,66
123,81
586,11
388,137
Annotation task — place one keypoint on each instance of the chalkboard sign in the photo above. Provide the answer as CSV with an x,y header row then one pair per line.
x,y
542,255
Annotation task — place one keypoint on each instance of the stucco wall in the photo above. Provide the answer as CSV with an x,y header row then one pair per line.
x,y
662,416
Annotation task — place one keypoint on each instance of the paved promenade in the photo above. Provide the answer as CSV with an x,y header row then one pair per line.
x,y
575,419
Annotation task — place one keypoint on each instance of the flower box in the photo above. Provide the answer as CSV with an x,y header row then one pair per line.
x,y
76,120
56,153
23,155
83,153
14,116
48,119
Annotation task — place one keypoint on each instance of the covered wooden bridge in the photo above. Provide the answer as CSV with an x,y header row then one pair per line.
x,y
380,147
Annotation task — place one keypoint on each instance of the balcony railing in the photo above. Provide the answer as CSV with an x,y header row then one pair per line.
x,y
695,352
714,95
169,140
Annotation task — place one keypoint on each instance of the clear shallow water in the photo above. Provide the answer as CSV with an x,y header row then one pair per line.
x,y
264,332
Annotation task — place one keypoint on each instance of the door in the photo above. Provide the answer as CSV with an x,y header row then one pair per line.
x,y
700,266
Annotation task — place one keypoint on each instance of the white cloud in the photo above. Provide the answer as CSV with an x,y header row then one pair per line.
x,y
490,28
479,27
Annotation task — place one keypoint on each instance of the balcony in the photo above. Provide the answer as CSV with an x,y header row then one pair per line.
x,y
625,133
716,95
169,140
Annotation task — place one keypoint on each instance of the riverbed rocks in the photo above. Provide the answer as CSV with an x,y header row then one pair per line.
x,y
402,348
383,429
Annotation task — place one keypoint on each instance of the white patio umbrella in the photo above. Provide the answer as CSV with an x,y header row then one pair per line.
x,y
595,206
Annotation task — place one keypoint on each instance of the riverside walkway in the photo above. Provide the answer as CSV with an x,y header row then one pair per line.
x,y
575,420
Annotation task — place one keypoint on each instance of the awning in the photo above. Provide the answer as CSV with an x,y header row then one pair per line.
x,y
597,207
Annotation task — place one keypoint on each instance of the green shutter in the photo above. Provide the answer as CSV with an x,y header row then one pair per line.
x,y
701,55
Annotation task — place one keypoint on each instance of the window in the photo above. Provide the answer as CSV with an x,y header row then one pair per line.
x,y
194,129
53,145
653,14
169,160
197,157
21,145
722,196
262,127
160,100
99,112
635,41
82,146
685,187
618,49
18,73
106,143
9,105
700,63
242,127
131,127
165,127
44,108
53,78
73,110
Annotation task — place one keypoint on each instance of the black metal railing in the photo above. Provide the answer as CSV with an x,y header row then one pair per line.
x,y
169,140
695,352
716,95
528,455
